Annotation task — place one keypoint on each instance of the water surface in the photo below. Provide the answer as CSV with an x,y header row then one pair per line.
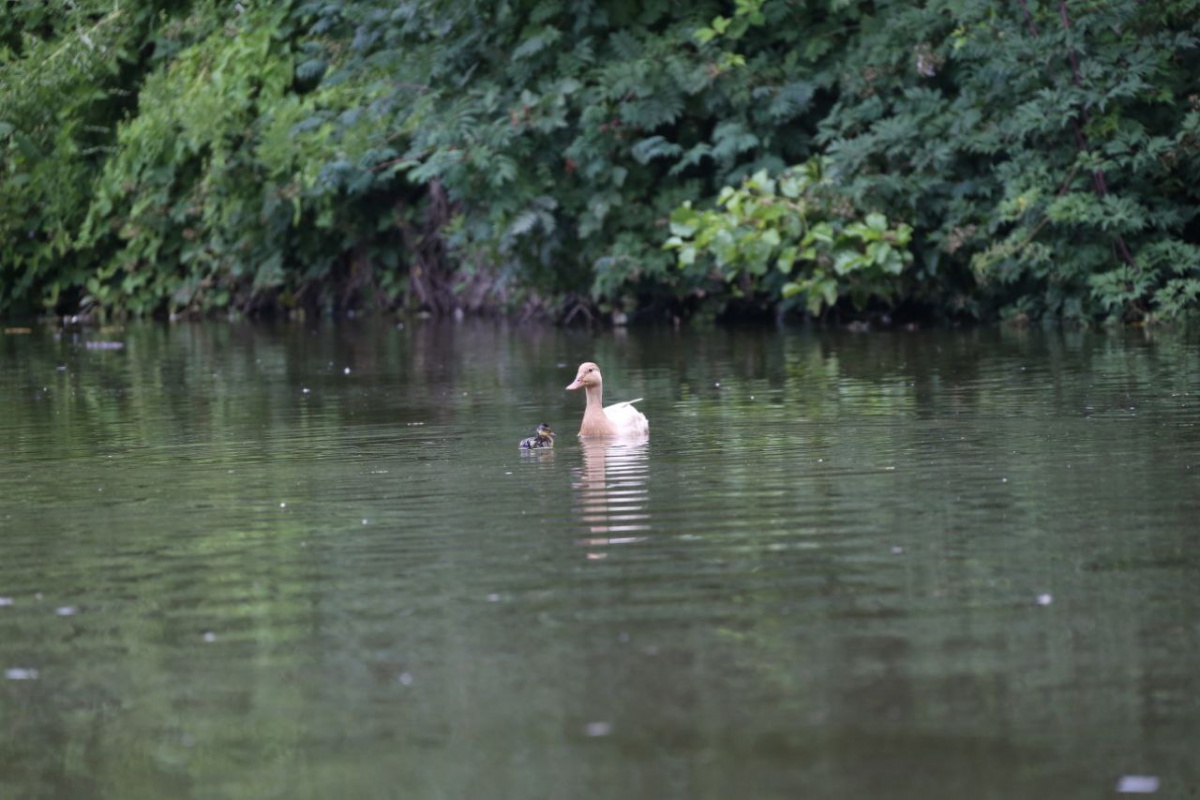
x,y
296,562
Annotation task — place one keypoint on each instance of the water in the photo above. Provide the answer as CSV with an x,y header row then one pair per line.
x,y
283,562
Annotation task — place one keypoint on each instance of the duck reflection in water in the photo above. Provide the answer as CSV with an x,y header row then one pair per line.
x,y
610,491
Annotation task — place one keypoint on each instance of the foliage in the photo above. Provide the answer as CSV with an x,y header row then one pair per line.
x,y
564,132
1052,150
794,236
187,208
186,156
64,74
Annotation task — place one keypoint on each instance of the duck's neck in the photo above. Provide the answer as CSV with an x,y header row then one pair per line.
x,y
595,397
595,421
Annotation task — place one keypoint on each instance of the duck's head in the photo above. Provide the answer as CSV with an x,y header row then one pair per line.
x,y
588,375
544,432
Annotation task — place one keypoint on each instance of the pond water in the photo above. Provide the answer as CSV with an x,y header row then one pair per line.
x,y
242,562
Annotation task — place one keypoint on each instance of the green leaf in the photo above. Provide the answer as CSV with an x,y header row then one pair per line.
x,y
652,147
846,261
829,292
786,260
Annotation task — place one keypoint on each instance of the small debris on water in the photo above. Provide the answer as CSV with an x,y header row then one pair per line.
x,y
405,678
67,611
6,601
493,598
597,729
897,551
346,371
1138,784
365,521
283,505
1045,599
21,674
209,637
596,556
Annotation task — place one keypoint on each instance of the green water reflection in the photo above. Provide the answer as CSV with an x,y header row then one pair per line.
x,y
246,562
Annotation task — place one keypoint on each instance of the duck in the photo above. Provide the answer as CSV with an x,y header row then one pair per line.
x,y
544,438
620,419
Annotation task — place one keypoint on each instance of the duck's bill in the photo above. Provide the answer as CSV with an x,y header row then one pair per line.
x,y
575,384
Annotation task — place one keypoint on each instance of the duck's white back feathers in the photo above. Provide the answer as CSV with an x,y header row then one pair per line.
x,y
627,419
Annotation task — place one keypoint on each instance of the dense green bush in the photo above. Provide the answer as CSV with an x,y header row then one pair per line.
x,y
794,237
1052,147
65,81
1030,159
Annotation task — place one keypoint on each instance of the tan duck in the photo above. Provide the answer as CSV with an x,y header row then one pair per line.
x,y
620,419
544,438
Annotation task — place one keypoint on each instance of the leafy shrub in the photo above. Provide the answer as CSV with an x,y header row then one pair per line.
x,y
188,156
793,237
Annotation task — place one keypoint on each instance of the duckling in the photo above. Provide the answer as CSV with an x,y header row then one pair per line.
x,y
544,438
